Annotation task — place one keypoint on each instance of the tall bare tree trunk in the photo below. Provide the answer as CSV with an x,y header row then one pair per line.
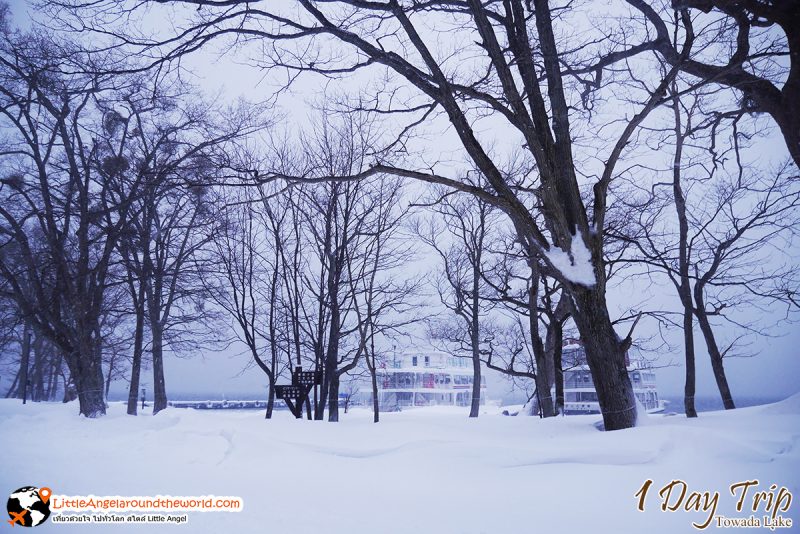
x,y
475,340
86,371
684,287
333,398
375,403
689,386
714,353
544,362
605,355
373,374
159,386
136,364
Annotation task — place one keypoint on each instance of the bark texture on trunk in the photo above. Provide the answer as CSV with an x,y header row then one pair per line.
x,y
606,358
689,386
270,400
159,385
475,406
544,362
88,378
333,399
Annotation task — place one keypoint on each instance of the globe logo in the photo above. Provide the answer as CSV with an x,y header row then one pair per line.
x,y
29,506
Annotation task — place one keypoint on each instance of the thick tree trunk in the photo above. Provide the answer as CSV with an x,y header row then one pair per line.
x,y
159,386
544,395
136,364
90,394
92,403
330,384
713,350
87,374
789,123
605,356
333,399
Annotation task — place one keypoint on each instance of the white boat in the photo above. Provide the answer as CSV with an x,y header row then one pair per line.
x,y
580,396
424,378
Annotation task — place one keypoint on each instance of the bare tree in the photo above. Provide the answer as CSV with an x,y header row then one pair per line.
x,y
178,153
69,187
718,248
382,297
743,48
352,387
510,65
510,76
465,224
517,282
248,271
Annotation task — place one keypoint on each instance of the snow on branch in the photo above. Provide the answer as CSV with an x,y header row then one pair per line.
x,y
575,265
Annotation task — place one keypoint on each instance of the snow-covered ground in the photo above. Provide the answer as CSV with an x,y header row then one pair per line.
x,y
418,471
